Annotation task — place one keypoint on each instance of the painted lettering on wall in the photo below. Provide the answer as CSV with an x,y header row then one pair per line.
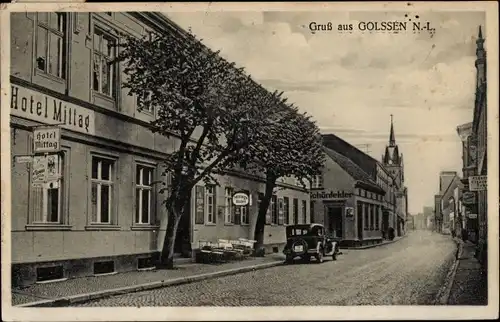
x,y
331,195
42,108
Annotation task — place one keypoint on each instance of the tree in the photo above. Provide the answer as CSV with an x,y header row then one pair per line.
x,y
213,109
289,146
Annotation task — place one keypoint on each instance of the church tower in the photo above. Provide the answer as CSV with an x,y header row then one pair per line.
x,y
392,159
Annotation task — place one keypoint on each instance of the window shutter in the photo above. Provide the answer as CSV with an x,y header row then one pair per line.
x,y
268,215
200,205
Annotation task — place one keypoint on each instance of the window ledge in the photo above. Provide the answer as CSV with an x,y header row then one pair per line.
x,y
210,224
43,226
110,99
245,224
102,227
39,72
145,227
229,224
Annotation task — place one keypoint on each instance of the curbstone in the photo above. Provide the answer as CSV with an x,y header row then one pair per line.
x,y
443,294
78,298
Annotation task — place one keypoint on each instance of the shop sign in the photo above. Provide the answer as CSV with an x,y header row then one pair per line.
x,y
468,198
240,199
46,139
23,158
478,183
331,195
472,216
349,212
36,106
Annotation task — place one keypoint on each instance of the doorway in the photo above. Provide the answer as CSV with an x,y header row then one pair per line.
x,y
182,244
335,222
359,214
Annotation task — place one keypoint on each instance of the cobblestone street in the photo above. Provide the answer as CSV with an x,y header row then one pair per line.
x,y
408,272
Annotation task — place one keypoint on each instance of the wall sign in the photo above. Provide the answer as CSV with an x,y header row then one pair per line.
x,y
478,183
40,107
331,195
349,212
200,205
240,199
469,198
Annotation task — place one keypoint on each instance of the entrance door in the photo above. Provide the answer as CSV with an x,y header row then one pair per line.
x,y
183,238
335,221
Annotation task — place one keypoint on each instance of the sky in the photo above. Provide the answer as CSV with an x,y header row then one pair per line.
x,y
351,82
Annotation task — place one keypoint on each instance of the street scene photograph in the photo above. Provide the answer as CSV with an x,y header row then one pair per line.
x,y
249,158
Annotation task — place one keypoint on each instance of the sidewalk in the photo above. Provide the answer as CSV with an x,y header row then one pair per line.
x,y
470,286
92,287
384,242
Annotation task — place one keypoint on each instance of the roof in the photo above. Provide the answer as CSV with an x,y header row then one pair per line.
x,y
361,159
352,169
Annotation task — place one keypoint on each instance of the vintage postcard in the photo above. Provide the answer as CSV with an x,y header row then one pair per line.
x,y
249,161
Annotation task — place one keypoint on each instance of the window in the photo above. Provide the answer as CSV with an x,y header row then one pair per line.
x,y
228,207
372,216
143,194
274,210
51,38
210,203
47,200
377,217
244,215
102,190
366,217
286,210
104,73
144,104
317,182
295,211
304,212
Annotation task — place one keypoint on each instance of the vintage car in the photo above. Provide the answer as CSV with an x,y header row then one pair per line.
x,y
309,240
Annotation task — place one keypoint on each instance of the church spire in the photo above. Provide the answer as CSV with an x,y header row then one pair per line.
x,y
392,138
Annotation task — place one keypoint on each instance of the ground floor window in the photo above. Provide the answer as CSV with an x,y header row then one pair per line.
x,y
304,212
47,198
102,184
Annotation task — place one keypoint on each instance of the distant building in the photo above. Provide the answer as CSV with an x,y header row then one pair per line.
x,y
349,203
450,203
393,161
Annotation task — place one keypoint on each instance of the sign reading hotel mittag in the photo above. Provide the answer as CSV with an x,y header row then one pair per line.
x,y
46,139
36,106
335,195
240,199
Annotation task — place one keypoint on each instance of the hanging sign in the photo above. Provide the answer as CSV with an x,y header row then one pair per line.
x,y
46,139
469,198
23,158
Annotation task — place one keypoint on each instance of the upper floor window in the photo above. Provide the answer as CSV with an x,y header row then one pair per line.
x,y
51,38
286,210
317,182
144,104
104,71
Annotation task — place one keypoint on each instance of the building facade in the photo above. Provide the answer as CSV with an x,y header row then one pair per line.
x,y
378,173
103,213
348,202
450,205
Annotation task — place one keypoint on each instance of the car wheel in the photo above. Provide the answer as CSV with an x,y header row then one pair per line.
x,y
334,256
289,260
319,256
306,258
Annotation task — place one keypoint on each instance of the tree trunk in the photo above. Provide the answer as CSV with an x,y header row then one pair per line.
x,y
261,217
175,208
